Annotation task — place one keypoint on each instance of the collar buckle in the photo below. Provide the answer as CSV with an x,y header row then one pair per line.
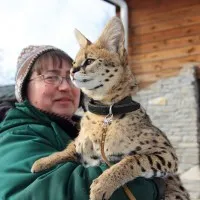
x,y
108,118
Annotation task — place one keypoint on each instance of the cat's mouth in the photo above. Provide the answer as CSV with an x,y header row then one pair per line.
x,y
83,80
88,84
78,78
96,87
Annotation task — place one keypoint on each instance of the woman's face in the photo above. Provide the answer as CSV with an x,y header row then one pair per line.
x,y
60,99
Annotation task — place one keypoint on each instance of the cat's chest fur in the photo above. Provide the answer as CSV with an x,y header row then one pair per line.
x,y
123,137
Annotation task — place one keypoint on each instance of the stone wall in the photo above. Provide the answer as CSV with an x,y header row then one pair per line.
x,y
173,106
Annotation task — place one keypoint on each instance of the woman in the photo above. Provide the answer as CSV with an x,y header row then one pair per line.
x,y
43,122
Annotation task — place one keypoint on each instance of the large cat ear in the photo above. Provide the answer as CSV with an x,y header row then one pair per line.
x,y
112,37
82,40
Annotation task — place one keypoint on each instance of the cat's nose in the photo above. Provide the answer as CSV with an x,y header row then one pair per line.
x,y
76,69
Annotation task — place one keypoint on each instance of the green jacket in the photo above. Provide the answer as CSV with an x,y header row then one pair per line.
x,y
27,134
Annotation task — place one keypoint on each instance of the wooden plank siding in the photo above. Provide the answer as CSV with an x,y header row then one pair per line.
x,y
163,36
166,44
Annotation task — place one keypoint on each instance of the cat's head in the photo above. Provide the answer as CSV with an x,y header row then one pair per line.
x,y
100,69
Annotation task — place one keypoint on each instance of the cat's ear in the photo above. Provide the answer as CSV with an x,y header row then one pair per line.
x,y
112,37
82,40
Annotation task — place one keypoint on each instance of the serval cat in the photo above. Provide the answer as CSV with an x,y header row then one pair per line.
x,y
132,142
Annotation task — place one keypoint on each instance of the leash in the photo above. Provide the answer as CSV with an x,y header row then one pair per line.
x,y
106,122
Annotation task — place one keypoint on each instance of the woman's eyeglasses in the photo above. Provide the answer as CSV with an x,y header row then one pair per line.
x,y
54,79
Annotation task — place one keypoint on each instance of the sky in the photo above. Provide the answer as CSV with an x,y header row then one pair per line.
x,y
52,22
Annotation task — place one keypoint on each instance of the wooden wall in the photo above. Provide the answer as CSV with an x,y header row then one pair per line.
x,y
163,35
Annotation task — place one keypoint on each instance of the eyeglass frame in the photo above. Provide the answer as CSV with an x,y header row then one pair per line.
x,y
60,78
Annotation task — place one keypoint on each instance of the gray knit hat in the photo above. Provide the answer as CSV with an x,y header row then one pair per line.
x,y
24,64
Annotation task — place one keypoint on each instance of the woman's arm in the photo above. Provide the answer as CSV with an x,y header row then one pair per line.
x,y
68,181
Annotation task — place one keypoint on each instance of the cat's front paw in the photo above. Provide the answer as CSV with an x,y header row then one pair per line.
x,y
101,189
40,165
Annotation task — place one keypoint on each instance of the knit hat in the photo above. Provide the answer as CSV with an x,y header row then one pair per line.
x,y
25,62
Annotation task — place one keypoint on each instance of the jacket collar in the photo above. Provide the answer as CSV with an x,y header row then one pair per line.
x,y
45,117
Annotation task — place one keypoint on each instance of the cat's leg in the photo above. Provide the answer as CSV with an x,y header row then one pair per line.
x,y
130,168
174,189
68,154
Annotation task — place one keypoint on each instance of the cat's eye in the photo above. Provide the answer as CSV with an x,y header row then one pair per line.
x,y
89,61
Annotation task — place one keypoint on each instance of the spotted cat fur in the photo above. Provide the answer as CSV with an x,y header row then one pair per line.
x,y
138,148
